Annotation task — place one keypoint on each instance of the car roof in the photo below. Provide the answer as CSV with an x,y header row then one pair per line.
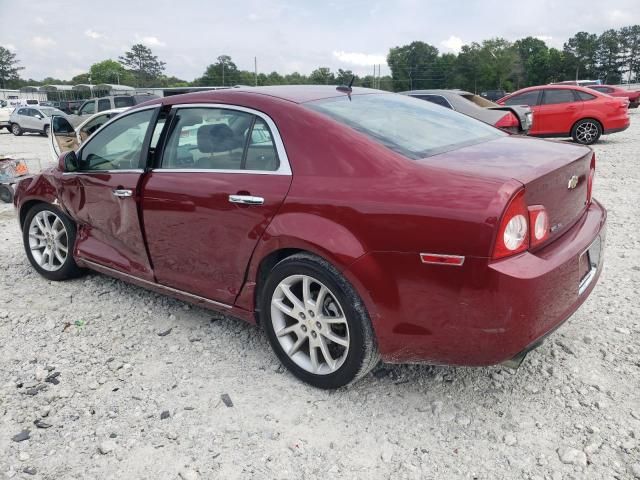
x,y
441,91
291,93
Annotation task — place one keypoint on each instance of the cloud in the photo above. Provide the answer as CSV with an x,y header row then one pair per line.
x,y
42,42
150,41
40,21
253,17
10,46
453,43
544,38
93,34
361,59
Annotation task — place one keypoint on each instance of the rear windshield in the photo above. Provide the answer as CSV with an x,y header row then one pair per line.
x,y
409,126
120,102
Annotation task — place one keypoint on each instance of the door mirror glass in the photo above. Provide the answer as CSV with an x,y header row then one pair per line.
x,y
68,162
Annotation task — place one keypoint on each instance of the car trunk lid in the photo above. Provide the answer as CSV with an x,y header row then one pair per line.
x,y
554,174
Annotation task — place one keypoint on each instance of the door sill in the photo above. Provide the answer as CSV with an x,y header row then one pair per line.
x,y
174,292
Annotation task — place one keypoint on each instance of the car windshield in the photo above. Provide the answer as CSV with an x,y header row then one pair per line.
x,y
411,127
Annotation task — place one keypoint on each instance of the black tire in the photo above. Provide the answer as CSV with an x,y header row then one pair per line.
x,y
362,354
68,269
45,132
16,129
586,131
6,193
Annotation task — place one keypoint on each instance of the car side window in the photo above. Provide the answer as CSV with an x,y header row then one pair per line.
x,y
88,108
120,102
554,96
119,145
584,96
104,104
526,98
261,151
22,111
219,139
437,99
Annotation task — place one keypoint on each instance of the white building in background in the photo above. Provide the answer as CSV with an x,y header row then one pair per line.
x,y
32,94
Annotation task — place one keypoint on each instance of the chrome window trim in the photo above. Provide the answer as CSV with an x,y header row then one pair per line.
x,y
104,125
94,172
283,169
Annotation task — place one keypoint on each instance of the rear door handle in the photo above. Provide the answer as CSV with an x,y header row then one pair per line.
x,y
121,193
246,199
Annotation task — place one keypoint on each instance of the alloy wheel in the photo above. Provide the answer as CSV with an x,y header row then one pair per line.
x,y
310,324
587,132
48,240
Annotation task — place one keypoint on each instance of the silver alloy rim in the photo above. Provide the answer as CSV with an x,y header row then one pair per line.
x,y
587,132
310,324
15,129
48,240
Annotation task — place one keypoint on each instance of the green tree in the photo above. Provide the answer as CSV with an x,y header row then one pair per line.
x,y
468,66
9,67
534,59
322,76
582,49
609,55
630,51
413,66
222,73
145,66
108,71
498,61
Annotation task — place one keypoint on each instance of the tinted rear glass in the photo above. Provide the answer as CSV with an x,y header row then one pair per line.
x,y
584,96
120,102
409,126
554,96
526,98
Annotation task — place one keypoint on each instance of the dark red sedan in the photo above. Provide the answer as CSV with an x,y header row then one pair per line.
x,y
571,111
613,91
352,225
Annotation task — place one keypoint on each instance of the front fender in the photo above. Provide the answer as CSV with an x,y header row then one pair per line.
x,y
301,231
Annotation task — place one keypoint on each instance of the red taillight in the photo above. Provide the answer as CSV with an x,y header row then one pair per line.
x,y
539,221
508,121
513,234
592,173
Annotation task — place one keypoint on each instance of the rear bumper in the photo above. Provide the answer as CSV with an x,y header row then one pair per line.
x,y
615,130
617,124
485,312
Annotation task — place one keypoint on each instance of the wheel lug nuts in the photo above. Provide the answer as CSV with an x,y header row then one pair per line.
x,y
304,328
301,315
318,324
314,334
311,314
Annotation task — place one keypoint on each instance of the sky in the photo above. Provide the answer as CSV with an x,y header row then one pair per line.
x,y
62,39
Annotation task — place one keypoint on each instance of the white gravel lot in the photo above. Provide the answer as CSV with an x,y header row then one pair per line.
x,y
572,411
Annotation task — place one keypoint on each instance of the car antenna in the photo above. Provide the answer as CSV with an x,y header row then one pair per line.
x,y
347,88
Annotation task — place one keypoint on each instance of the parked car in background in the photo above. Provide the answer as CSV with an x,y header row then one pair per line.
x,y
32,119
572,111
352,224
5,113
513,119
95,105
493,95
632,95
578,83
66,137
68,106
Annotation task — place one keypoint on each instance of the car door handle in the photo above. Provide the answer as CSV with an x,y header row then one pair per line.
x,y
121,193
246,199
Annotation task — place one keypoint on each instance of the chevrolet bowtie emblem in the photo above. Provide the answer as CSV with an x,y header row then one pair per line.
x,y
573,182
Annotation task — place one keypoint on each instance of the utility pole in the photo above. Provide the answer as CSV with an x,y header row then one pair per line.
x,y
255,65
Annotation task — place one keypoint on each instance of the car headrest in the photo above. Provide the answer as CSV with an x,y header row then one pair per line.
x,y
216,138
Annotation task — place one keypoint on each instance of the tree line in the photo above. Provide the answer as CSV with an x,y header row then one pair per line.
x,y
613,57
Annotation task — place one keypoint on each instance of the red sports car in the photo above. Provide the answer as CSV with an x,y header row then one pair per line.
x,y
632,95
571,111
353,225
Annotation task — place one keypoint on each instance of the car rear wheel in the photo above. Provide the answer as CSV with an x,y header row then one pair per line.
x,y
586,131
16,130
316,323
49,237
6,193
45,132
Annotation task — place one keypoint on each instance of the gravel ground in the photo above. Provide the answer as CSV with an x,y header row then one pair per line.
x,y
112,381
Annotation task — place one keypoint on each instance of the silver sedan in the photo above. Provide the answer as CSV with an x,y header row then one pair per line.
x,y
32,118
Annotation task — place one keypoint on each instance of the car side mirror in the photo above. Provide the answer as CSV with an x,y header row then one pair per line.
x,y
68,162
74,111
39,117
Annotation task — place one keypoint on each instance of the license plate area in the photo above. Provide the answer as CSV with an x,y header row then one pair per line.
x,y
588,264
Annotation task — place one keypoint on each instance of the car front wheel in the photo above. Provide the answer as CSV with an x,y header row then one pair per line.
x,y
49,237
586,131
316,323
16,130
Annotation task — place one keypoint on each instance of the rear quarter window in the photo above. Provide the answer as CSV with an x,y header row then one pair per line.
x,y
409,126
584,96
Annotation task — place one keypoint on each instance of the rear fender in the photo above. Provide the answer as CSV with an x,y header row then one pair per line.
x,y
323,237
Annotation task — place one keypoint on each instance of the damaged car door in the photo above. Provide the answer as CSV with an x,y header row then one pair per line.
x,y
101,192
